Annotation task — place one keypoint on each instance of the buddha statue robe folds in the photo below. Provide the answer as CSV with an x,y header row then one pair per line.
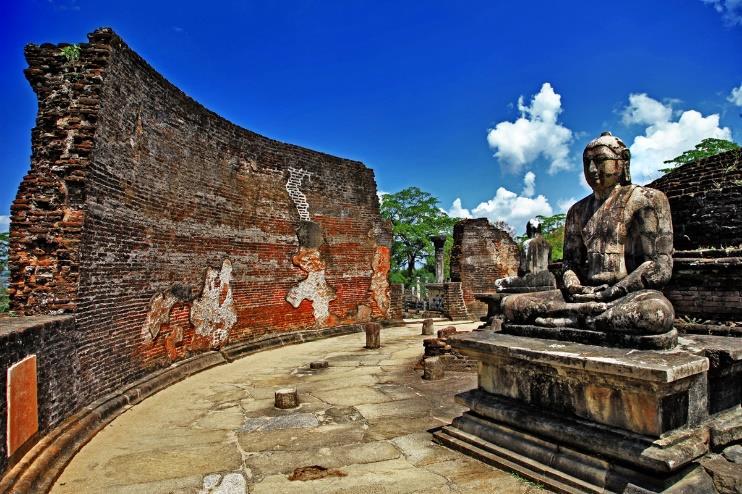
x,y
617,256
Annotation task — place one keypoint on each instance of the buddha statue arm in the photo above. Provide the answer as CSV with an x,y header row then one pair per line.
x,y
573,252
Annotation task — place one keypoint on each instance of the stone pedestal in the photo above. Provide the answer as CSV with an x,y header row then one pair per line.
x,y
428,327
433,369
373,335
286,398
583,418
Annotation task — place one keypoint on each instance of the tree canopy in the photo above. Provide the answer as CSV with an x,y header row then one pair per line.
x,y
415,216
704,149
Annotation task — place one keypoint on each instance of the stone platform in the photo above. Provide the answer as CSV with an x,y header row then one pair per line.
x,y
583,418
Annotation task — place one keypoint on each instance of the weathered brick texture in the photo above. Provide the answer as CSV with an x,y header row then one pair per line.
x,y
480,255
52,340
706,201
168,230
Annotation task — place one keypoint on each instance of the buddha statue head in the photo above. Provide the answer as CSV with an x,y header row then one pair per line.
x,y
606,161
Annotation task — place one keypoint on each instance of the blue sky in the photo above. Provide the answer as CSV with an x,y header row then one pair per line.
x,y
490,102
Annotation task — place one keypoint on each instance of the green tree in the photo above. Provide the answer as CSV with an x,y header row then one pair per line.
x,y
704,149
415,216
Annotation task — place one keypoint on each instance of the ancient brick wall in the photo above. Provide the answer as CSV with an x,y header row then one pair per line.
x,y
51,341
706,201
396,301
707,284
481,254
169,230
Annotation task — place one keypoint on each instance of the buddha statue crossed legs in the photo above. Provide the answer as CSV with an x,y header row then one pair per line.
x,y
617,255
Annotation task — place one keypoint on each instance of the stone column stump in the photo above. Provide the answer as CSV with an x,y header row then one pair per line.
x,y
428,327
373,335
433,369
286,398
319,364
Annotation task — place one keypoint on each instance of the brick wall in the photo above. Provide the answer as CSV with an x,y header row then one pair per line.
x,y
396,295
169,230
51,339
481,254
706,201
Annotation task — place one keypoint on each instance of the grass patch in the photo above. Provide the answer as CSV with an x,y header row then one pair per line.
x,y
4,300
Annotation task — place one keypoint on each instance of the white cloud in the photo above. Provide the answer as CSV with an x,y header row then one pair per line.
x,y
644,110
564,204
380,194
4,223
457,211
529,184
665,139
536,133
730,10
507,206
736,96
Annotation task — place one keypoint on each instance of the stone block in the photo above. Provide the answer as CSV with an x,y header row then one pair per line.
x,y
433,369
428,327
23,418
373,335
286,398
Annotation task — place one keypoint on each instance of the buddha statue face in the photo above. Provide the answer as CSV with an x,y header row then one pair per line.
x,y
606,164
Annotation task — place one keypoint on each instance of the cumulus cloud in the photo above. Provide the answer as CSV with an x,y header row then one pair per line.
x,y
736,96
537,133
4,223
664,138
458,211
507,206
529,184
730,10
644,110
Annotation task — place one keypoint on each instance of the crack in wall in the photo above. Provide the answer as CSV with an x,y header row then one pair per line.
x,y
296,175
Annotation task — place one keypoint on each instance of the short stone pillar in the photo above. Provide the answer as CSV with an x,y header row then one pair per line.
x,y
428,327
439,241
319,364
373,335
286,398
433,369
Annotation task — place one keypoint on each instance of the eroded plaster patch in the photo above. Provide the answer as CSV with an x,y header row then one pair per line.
x,y
296,175
314,287
379,282
159,314
213,314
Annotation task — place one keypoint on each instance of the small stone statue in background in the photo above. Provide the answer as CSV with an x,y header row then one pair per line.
x,y
533,272
617,255
536,253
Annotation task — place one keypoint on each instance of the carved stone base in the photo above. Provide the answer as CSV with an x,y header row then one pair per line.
x,y
662,341
573,455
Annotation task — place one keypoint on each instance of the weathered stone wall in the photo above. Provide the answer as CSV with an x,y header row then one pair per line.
x,y
706,201
396,305
170,231
480,255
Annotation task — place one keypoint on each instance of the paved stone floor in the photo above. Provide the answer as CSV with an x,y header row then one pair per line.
x,y
365,418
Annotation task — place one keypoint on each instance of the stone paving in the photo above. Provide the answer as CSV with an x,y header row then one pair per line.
x,y
365,419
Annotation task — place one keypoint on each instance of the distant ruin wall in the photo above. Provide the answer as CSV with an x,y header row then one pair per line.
x,y
706,201
481,254
168,230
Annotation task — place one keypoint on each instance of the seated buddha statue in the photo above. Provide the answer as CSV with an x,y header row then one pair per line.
x,y
617,255
533,270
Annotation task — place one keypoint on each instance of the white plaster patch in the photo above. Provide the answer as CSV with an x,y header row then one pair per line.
x,y
314,287
296,175
159,314
210,315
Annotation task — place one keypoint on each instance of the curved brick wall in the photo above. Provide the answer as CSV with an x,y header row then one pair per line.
x,y
169,231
